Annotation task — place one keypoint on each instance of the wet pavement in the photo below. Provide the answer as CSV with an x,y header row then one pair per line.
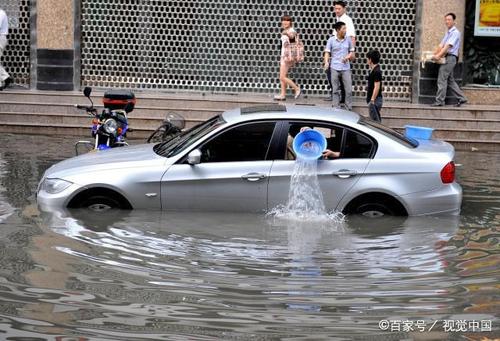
x,y
138,275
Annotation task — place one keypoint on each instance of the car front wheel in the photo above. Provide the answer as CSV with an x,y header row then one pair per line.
x,y
100,203
99,200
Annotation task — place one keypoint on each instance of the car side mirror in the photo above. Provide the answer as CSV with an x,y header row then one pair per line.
x,y
87,91
194,157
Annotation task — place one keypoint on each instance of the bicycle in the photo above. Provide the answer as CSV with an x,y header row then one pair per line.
x,y
171,126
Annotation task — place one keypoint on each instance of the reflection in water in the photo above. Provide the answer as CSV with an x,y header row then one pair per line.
x,y
217,271
129,275
5,208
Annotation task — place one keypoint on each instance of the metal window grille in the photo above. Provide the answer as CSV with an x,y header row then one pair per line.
x,y
16,58
227,46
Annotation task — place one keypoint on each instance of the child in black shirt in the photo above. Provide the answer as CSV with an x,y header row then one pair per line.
x,y
374,89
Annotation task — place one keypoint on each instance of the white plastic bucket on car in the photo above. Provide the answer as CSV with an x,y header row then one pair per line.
x,y
309,144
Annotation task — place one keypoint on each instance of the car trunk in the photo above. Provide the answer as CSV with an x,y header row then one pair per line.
x,y
436,146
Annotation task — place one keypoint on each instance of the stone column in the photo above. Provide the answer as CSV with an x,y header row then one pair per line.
x,y
432,31
55,49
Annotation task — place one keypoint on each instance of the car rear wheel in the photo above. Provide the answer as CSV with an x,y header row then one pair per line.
x,y
375,205
374,210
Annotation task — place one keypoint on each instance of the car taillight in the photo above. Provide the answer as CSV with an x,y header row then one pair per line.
x,y
448,173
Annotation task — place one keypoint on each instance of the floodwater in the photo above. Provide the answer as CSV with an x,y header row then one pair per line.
x,y
142,275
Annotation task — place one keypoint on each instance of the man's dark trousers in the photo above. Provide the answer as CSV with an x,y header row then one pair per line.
x,y
374,109
342,90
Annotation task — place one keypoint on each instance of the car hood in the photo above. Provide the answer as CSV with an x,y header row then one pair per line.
x,y
141,155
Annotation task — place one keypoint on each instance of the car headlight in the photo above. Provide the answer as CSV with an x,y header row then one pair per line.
x,y
110,126
54,186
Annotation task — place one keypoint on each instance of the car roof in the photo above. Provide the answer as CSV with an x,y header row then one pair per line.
x,y
293,112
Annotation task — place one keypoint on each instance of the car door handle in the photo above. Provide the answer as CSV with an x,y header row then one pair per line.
x,y
253,176
345,173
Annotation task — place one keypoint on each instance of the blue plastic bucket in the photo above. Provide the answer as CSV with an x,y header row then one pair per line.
x,y
416,132
309,144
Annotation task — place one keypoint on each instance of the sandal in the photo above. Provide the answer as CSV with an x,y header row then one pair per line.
x,y
298,93
279,98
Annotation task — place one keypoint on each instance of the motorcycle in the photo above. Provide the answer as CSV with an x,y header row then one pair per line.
x,y
109,128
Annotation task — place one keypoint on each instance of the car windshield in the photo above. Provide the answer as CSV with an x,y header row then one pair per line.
x,y
390,133
185,139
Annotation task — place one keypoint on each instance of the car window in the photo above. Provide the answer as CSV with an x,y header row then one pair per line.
x,y
390,133
356,146
332,133
247,142
186,138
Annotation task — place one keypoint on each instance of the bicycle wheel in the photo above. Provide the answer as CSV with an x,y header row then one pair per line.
x,y
157,135
83,147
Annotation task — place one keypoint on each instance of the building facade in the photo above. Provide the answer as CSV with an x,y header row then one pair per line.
x,y
216,45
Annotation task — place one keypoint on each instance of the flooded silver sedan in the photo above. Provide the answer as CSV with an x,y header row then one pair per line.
x,y
155,275
238,161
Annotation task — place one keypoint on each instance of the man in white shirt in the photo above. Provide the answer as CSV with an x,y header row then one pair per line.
x,y
5,78
339,7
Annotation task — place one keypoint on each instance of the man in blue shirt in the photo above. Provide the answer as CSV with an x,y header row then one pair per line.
x,y
339,51
448,48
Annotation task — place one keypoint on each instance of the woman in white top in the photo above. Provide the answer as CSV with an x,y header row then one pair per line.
x,y
287,35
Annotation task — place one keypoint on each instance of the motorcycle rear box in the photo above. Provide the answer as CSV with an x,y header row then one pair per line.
x,y
118,99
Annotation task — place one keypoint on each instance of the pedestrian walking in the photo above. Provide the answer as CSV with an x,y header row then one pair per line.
x,y
448,48
5,79
339,8
339,51
288,36
374,89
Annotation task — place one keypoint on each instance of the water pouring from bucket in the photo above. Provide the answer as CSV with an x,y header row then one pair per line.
x,y
305,198
309,144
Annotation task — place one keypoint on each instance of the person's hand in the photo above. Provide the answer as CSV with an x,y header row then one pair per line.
x,y
326,66
434,57
328,154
